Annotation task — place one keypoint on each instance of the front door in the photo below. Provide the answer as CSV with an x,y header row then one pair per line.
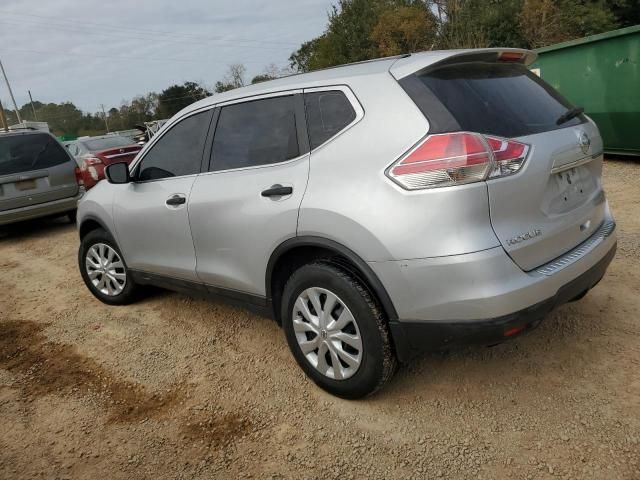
x,y
151,213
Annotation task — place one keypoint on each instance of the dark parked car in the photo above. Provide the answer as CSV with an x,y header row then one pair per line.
x,y
38,177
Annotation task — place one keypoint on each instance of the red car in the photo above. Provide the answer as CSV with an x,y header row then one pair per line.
x,y
93,154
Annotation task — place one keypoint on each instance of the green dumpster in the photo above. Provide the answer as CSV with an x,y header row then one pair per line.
x,y
601,74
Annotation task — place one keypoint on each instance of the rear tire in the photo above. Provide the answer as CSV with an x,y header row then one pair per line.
x,y
104,270
72,216
336,331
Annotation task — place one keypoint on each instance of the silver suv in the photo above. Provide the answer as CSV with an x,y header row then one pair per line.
x,y
376,210
38,177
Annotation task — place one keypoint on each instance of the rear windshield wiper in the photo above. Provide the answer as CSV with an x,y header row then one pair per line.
x,y
569,114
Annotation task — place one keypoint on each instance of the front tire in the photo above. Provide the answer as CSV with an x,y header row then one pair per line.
x,y
336,331
104,270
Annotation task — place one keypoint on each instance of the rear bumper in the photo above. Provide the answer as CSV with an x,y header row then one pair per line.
x,y
412,338
40,210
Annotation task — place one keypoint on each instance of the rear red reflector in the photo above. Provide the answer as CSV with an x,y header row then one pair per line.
x,y
514,331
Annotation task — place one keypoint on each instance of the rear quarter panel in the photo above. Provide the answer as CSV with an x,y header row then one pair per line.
x,y
351,201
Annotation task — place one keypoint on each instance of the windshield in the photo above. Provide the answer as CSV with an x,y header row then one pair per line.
x,y
112,141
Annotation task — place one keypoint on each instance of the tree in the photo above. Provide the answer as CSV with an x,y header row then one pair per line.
x,y
234,78
348,35
544,22
404,29
173,99
270,72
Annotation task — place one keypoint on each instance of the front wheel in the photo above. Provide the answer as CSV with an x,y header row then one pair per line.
x,y
336,331
103,269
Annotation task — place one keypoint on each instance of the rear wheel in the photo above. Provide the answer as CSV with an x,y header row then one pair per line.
x,y
336,331
103,269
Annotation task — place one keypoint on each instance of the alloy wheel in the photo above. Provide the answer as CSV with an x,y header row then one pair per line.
x,y
105,269
327,333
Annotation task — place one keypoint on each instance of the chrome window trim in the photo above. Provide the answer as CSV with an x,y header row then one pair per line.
x,y
353,100
576,163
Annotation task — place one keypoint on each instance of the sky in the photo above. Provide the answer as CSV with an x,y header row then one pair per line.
x,y
94,52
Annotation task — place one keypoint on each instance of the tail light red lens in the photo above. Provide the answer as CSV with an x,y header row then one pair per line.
x,y
448,159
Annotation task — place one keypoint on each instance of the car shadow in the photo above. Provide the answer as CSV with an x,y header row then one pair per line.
x,y
34,228
566,342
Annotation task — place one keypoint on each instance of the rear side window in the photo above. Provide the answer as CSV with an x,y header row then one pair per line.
x,y
327,114
260,132
24,153
179,151
494,98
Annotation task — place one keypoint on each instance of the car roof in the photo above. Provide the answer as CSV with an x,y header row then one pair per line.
x,y
26,131
342,73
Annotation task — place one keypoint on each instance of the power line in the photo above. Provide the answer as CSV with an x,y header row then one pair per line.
x,y
83,32
147,31
200,61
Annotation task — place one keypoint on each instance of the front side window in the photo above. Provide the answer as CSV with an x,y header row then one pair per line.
x,y
24,153
327,114
179,151
259,132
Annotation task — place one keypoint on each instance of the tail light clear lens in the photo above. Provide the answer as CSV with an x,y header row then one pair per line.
x,y
79,179
448,159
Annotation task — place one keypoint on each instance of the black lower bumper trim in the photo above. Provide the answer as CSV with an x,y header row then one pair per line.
x,y
412,338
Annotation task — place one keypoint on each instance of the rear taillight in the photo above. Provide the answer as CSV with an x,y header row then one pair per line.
x,y
88,163
448,159
509,156
79,179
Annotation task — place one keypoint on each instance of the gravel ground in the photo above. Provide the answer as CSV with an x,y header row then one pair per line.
x,y
173,387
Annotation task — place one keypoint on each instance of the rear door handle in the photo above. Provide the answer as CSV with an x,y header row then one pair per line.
x,y
176,200
277,191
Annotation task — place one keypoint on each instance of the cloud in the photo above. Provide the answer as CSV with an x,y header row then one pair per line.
x,y
92,52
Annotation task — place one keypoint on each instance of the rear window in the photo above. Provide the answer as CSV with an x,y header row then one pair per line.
x,y
24,153
327,114
114,141
494,98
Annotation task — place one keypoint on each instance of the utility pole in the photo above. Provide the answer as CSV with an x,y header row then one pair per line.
x,y
3,119
105,117
35,117
11,93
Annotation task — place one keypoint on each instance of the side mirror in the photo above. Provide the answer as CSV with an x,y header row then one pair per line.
x,y
117,173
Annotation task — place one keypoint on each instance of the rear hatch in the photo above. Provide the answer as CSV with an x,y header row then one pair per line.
x,y
34,169
555,201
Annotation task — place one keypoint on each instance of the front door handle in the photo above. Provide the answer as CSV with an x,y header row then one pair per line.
x,y
176,200
277,191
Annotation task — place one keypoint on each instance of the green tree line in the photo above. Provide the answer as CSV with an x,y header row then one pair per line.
x,y
364,29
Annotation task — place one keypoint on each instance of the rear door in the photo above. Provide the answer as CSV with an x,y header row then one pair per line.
x,y
556,200
248,203
34,169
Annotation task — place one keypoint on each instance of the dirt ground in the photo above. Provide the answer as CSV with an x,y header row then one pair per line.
x,y
173,387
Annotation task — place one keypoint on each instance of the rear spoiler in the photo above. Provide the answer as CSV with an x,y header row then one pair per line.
x,y
416,62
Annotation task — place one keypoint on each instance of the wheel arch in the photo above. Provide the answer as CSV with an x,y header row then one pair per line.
x,y
297,251
90,223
